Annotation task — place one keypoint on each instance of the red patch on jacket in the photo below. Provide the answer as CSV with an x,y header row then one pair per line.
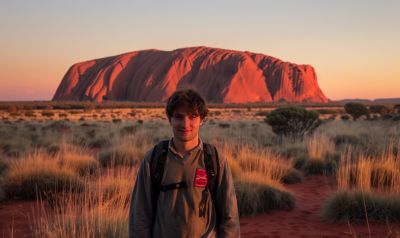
x,y
200,179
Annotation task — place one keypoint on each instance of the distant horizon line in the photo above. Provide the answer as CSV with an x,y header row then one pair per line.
x,y
330,100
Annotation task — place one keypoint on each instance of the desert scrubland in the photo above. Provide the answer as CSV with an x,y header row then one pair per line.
x,y
79,168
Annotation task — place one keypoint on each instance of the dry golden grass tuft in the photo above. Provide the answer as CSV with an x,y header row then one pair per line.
x,y
101,211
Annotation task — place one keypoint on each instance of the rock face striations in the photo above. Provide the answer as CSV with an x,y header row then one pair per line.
x,y
221,76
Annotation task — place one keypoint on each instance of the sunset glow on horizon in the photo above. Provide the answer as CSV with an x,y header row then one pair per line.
x,y
353,45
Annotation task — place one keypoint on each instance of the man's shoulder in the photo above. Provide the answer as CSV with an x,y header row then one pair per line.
x,y
156,149
219,155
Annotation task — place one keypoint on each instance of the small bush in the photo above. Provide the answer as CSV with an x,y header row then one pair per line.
x,y
397,108
81,163
379,109
347,139
293,121
117,156
47,113
320,166
128,130
293,151
224,125
299,162
256,197
40,176
13,148
29,114
262,113
356,110
99,142
357,205
345,117
327,111
292,176
314,166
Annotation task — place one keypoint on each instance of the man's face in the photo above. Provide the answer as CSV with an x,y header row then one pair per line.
x,y
185,125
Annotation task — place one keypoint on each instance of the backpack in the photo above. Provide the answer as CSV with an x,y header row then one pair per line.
x,y
157,165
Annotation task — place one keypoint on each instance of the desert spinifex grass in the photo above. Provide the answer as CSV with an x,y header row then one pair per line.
x,y
79,160
265,162
100,211
257,176
126,151
381,173
321,151
257,194
360,205
369,187
40,175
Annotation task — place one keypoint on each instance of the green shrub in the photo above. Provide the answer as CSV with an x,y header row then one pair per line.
x,y
357,205
292,176
379,109
293,121
254,198
356,110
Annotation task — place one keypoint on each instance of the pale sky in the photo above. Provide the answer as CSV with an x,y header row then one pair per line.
x,y
353,45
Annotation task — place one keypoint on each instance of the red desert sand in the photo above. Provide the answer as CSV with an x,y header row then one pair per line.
x,y
303,221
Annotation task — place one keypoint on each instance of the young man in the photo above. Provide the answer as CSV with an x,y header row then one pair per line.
x,y
190,192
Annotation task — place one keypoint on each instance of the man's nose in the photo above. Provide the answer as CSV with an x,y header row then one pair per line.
x,y
186,121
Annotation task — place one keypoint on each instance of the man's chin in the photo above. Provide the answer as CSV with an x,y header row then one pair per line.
x,y
184,138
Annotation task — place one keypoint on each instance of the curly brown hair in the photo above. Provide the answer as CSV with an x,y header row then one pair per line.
x,y
187,98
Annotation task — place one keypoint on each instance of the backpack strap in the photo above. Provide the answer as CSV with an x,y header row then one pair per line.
x,y
212,166
157,164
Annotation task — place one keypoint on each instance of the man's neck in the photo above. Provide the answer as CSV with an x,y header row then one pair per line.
x,y
185,146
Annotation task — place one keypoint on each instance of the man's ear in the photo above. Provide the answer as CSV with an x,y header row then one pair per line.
x,y
202,121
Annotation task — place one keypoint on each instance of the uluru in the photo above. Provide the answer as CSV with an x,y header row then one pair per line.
x,y
220,75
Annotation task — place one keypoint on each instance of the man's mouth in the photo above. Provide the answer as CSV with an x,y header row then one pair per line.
x,y
184,131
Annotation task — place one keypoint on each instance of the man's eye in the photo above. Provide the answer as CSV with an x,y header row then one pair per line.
x,y
179,116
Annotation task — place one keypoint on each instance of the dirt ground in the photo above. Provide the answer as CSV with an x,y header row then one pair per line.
x,y
16,217
305,219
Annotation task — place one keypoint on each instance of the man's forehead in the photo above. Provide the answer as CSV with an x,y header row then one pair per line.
x,y
184,110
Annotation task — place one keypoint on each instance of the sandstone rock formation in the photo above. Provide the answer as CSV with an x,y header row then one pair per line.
x,y
220,75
